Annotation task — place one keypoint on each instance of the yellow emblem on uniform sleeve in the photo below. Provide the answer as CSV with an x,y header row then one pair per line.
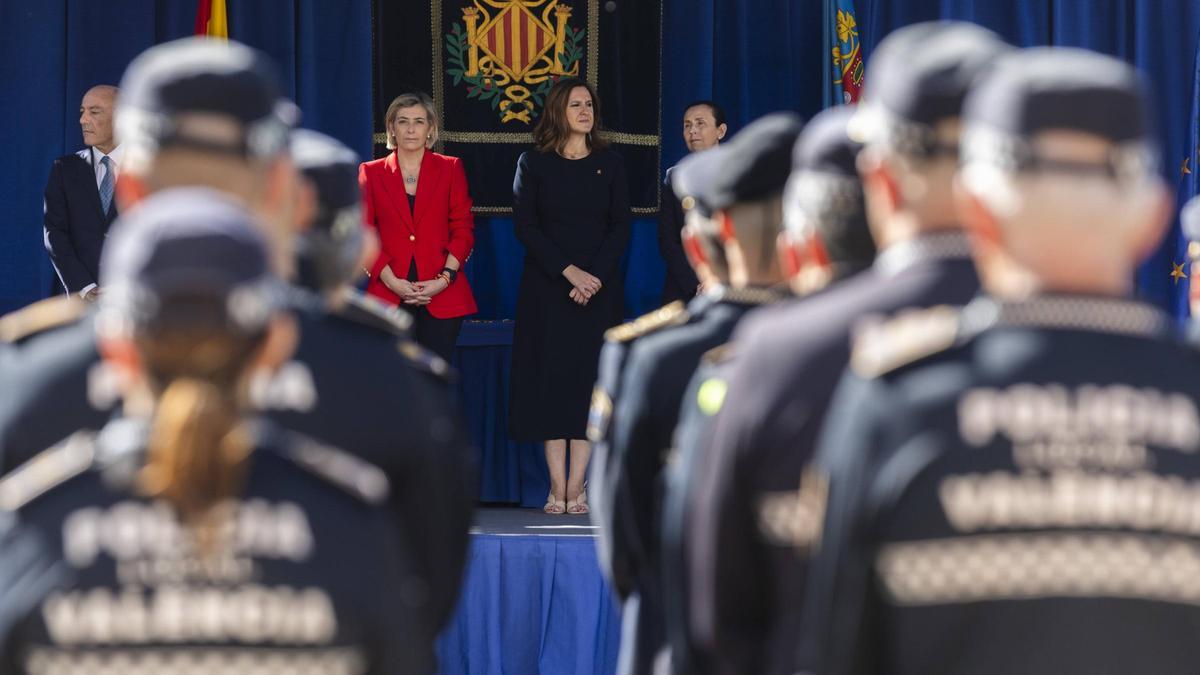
x,y
711,395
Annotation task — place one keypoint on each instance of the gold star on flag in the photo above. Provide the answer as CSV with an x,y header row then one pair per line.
x,y
1183,168
1177,272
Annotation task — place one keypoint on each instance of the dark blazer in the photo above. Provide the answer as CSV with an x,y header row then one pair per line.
x,y
681,281
75,224
442,224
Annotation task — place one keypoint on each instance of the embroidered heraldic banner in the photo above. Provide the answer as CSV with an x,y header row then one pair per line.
x,y
489,63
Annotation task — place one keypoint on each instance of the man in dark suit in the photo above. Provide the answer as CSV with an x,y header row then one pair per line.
x,y
80,203
703,127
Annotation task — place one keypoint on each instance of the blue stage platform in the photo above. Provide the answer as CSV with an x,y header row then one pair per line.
x,y
533,601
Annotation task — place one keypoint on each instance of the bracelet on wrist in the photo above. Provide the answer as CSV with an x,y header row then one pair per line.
x,y
451,274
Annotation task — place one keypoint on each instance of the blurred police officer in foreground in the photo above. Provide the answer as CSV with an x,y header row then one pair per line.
x,y
358,382
206,113
1011,488
183,537
745,570
825,239
738,187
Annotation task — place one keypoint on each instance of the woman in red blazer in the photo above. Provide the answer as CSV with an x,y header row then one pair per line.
x,y
418,202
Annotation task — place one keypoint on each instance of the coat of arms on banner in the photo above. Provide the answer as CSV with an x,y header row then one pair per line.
x,y
490,64
847,51
510,52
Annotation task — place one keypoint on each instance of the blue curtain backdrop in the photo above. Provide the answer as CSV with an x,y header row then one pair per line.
x,y
753,56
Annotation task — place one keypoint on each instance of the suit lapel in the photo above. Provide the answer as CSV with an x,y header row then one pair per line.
x,y
86,175
393,184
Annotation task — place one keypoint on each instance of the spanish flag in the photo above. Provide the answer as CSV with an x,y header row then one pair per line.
x,y
211,19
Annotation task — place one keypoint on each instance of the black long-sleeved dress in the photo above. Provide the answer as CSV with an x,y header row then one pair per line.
x,y
566,212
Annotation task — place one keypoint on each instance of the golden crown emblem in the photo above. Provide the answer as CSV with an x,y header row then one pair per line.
x,y
510,52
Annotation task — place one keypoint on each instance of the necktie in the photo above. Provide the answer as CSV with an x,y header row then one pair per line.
x,y
107,183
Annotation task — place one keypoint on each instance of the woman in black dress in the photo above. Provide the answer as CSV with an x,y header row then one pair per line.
x,y
571,207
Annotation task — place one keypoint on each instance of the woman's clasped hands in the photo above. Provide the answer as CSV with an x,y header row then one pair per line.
x,y
416,293
584,285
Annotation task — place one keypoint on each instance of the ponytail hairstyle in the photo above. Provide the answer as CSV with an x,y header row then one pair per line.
x,y
190,305
198,448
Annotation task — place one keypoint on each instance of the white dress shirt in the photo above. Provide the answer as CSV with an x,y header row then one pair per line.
x,y
97,166
93,156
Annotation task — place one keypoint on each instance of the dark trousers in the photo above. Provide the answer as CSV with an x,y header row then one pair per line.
x,y
437,335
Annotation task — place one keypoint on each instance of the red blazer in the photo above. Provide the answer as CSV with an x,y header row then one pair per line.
x,y
442,224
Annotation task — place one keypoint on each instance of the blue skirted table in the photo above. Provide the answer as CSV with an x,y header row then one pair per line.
x,y
533,601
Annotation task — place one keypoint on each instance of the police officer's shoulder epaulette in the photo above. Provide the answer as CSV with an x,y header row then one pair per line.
x,y
673,314
883,346
720,354
424,360
599,415
48,469
340,468
40,317
369,311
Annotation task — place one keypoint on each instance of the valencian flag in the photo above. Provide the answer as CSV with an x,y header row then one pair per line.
x,y
488,64
844,79
211,19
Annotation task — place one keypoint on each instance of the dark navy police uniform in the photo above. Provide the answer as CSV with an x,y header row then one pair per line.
x,y
1012,488
659,360
656,357
95,577
1011,492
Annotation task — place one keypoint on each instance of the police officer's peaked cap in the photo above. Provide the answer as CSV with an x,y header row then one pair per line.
x,y
752,167
328,251
825,190
188,256
825,145
331,166
1048,88
204,76
921,73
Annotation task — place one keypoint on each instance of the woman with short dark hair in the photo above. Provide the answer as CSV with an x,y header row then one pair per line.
x,y
571,210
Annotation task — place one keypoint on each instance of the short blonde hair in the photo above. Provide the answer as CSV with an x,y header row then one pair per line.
x,y
407,101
